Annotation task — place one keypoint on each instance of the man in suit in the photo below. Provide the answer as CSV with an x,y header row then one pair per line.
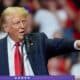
x,y
32,50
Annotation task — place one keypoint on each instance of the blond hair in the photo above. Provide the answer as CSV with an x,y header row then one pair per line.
x,y
13,10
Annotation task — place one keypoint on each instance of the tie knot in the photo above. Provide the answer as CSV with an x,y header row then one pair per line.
x,y
17,44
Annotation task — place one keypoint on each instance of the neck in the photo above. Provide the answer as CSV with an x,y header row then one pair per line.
x,y
16,40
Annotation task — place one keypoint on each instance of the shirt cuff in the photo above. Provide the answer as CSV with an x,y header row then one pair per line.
x,y
75,45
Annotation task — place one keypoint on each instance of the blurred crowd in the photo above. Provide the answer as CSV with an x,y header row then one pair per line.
x,y
57,19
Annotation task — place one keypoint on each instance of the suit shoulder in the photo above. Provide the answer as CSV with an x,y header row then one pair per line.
x,y
38,35
3,40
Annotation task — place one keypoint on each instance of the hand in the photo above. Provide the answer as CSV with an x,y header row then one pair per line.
x,y
78,43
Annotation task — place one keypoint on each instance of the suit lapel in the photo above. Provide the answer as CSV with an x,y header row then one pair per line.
x,y
31,52
4,68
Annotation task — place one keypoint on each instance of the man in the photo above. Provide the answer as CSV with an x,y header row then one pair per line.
x,y
28,54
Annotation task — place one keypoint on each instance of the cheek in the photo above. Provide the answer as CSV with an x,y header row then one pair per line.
x,y
13,31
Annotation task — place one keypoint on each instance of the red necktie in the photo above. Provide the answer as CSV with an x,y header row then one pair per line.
x,y
18,61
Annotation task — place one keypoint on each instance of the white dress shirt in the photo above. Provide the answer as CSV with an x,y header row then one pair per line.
x,y
27,66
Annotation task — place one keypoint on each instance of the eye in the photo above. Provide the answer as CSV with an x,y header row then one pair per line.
x,y
17,22
23,21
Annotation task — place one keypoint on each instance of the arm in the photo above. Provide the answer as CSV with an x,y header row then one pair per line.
x,y
60,46
55,47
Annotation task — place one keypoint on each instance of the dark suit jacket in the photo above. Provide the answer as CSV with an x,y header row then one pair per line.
x,y
39,50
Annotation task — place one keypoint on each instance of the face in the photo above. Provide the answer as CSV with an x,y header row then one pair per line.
x,y
8,2
36,4
51,5
15,26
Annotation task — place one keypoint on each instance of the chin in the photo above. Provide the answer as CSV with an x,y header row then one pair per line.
x,y
21,38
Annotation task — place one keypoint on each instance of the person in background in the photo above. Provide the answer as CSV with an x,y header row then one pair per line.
x,y
65,7
46,18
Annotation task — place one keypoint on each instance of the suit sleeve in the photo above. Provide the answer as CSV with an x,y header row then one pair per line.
x,y
56,47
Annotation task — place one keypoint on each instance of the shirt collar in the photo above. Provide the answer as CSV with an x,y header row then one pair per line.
x,y
12,42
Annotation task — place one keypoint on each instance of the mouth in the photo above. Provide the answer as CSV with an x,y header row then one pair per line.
x,y
21,32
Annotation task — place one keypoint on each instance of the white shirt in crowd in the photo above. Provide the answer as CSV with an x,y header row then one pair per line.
x,y
11,49
48,22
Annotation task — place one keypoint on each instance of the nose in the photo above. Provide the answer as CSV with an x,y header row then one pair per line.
x,y
21,24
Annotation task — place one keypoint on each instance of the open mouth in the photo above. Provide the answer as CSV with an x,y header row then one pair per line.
x,y
22,32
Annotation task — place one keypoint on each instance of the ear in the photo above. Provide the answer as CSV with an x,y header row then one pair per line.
x,y
6,28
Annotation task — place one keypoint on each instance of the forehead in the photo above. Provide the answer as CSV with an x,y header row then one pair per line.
x,y
14,17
